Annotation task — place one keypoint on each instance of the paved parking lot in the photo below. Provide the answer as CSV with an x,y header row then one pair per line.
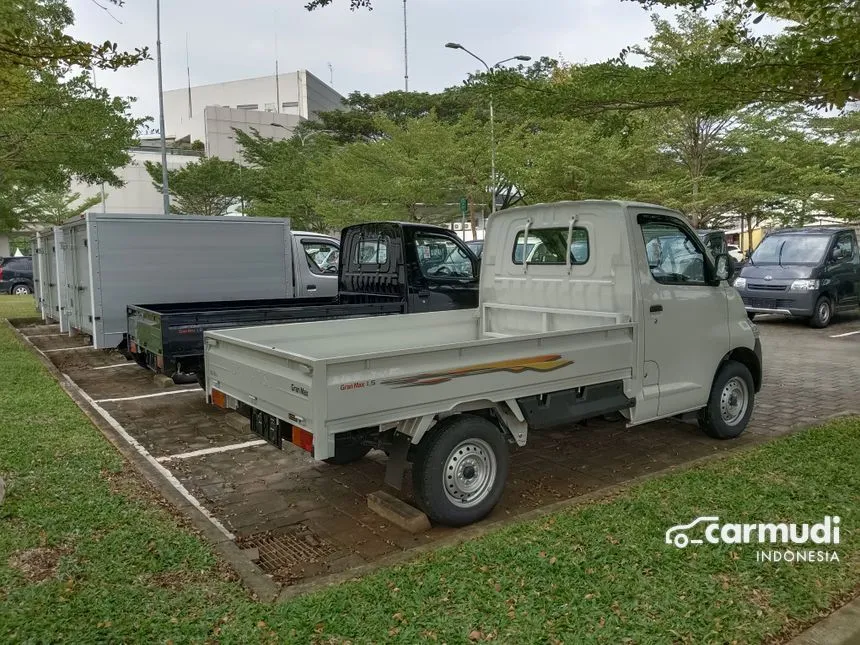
x,y
308,519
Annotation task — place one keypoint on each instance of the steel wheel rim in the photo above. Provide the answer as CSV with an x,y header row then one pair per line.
x,y
469,473
734,400
20,291
824,311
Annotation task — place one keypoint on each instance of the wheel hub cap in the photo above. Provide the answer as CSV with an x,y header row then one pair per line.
x,y
734,400
469,473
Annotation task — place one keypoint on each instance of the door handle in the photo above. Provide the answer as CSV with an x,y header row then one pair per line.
x,y
423,294
656,309
312,287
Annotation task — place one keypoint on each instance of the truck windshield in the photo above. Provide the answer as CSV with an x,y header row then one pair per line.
x,y
791,249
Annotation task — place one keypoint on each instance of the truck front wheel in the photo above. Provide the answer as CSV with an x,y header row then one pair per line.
x,y
730,404
459,470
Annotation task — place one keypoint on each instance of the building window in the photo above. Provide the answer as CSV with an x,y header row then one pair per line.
x,y
270,107
290,104
248,106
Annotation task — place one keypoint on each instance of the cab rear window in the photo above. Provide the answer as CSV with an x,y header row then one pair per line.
x,y
371,252
548,246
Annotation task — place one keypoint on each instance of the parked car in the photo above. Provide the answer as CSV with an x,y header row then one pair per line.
x,y
810,273
735,252
560,335
476,247
16,275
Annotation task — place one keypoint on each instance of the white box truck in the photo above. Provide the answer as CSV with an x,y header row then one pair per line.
x,y
116,260
586,308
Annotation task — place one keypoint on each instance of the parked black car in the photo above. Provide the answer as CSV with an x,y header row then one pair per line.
x,y
16,275
811,273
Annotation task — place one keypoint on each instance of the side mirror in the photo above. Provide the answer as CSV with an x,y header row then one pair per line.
x,y
837,254
722,267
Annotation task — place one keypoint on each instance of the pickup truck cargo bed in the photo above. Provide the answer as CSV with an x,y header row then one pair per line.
x,y
171,334
347,374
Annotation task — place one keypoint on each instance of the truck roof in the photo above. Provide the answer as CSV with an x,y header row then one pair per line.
x,y
603,204
811,230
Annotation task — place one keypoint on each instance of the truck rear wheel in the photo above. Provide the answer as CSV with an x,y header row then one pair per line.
x,y
730,404
459,470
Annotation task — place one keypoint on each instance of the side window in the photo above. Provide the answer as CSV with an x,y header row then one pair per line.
x,y
548,246
322,256
441,257
845,244
673,256
370,254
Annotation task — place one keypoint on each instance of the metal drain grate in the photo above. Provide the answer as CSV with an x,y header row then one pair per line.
x,y
295,546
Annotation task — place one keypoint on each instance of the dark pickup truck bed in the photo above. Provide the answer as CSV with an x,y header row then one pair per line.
x,y
168,338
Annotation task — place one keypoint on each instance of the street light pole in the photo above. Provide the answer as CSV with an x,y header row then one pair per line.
x,y
490,70
165,192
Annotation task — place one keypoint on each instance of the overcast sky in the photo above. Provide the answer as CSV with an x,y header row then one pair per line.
x,y
230,40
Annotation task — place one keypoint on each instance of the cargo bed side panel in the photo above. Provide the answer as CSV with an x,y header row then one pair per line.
x,y
378,390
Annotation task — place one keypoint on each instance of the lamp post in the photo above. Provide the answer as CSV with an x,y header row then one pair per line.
x,y
165,192
490,69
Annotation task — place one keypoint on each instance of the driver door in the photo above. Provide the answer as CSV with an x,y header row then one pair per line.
x,y
446,276
684,312
320,278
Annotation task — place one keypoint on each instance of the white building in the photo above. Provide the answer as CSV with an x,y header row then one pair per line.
x,y
214,111
301,95
138,195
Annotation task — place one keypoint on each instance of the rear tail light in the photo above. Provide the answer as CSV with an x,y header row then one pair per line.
x,y
1,272
219,399
303,439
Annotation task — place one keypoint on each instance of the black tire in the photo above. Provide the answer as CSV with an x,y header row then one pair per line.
x,y
823,313
20,290
434,465
751,315
347,452
711,419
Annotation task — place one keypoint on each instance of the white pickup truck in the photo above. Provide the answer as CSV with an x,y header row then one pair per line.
x,y
623,311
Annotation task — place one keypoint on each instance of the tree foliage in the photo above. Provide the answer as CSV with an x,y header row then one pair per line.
x,y
211,186
55,125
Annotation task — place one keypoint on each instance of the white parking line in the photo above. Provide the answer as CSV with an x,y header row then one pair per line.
x,y
214,450
41,335
145,453
186,390
108,367
850,333
67,349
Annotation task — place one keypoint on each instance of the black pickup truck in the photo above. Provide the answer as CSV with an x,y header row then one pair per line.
x,y
384,268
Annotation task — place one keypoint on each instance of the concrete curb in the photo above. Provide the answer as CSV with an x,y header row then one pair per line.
x,y
254,580
842,627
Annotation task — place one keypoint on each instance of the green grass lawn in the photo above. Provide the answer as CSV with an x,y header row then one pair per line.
x,y
85,556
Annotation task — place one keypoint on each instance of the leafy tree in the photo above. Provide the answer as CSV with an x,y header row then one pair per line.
x,y
211,186
280,175
54,124
55,207
813,59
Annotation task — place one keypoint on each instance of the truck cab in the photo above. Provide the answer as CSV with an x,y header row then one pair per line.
x,y
811,273
429,267
586,308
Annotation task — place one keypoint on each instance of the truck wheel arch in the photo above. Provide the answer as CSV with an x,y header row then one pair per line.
x,y
747,357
